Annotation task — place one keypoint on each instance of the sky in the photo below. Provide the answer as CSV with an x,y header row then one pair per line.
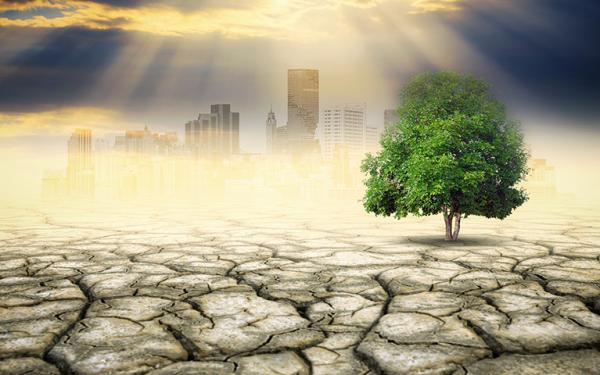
x,y
124,64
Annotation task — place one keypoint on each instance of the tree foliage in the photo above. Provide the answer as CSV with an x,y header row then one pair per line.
x,y
453,152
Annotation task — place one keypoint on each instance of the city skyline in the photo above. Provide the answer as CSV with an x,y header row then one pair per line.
x,y
138,76
296,114
218,132
61,68
142,165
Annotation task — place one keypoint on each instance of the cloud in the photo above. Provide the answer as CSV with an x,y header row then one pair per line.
x,y
276,19
46,68
23,5
232,58
425,6
558,67
252,18
57,122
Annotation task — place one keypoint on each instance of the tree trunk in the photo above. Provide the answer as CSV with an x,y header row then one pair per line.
x,y
449,217
448,222
457,216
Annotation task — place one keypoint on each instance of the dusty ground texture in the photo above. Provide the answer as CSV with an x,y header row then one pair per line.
x,y
192,291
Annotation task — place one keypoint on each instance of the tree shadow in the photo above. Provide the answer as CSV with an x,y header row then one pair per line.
x,y
439,241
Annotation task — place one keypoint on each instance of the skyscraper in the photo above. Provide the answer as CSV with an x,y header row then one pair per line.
x,y
80,170
345,128
271,129
228,128
214,133
303,108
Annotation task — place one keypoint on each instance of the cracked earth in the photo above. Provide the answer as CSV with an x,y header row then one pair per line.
x,y
192,291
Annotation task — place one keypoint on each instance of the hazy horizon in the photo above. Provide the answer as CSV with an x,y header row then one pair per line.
x,y
117,65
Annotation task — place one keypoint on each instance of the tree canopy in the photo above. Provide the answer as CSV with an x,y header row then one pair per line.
x,y
453,151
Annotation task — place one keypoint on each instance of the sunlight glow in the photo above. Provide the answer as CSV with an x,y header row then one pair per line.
x,y
258,18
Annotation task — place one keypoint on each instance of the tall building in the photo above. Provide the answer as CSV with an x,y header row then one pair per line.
x,y
80,170
281,144
271,129
345,127
390,118
214,133
303,108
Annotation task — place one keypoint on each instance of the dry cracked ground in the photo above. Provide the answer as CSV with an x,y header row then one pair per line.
x,y
192,291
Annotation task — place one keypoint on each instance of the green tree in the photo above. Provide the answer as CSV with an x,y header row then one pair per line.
x,y
453,152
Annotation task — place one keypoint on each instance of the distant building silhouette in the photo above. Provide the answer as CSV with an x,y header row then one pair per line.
x,y
281,140
80,170
271,131
146,142
303,109
214,133
541,181
390,118
345,127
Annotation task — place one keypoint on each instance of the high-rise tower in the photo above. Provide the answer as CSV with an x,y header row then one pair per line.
x,y
303,107
80,171
271,131
214,133
345,129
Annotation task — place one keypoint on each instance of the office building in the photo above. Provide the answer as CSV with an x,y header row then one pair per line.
x,y
145,142
303,109
214,133
345,128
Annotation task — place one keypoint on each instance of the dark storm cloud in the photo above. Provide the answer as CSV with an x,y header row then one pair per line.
x,y
15,1
550,48
184,5
57,69
25,14
135,72
179,4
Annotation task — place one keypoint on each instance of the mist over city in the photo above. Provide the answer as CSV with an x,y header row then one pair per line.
x,y
302,187
102,66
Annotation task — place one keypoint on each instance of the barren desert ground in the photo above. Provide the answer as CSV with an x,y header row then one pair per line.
x,y
297,291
